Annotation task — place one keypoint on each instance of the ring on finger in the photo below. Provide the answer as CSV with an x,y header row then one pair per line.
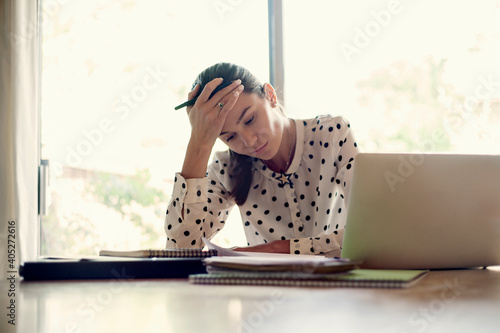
x,y
221,105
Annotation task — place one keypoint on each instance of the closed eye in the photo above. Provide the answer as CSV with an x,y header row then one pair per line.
x,y
250,120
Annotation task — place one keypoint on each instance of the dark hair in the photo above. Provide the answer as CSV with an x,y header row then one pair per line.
x,y
240,165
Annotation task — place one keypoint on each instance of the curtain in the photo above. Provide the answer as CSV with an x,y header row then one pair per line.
x,y
19,130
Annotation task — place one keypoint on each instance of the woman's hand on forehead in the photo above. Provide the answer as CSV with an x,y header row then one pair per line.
x,y
207,115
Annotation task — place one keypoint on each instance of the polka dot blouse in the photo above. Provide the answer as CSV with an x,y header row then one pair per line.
x,y
306,205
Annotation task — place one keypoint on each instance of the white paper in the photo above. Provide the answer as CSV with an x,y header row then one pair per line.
x,y
221,251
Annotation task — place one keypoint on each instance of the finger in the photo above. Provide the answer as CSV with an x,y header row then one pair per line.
x,y
208,89
229,101
217,94
225,92
192,94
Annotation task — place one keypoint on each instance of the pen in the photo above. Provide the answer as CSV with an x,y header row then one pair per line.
x,y
188,103
192,101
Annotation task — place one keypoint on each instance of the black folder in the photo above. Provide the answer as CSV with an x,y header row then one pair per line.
x,y
114,268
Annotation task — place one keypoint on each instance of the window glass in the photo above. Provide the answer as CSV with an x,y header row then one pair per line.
x,y
112,73
409,75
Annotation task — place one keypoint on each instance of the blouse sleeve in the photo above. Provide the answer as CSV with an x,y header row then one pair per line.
x,y
198,208
330,244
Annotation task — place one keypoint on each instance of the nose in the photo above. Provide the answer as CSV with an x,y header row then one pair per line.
x,y
248,138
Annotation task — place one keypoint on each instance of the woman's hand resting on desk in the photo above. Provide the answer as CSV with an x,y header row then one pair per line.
x,y
278,246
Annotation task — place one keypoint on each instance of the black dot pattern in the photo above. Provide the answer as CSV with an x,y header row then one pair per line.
x,y
311,214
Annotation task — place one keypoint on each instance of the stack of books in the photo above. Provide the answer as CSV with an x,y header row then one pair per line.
x,y
123,265
299,271
219,266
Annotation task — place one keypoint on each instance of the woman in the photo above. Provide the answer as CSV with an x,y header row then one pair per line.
x,y
290,178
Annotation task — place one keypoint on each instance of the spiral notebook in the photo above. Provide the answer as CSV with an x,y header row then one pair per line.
x,y
161,253
357,278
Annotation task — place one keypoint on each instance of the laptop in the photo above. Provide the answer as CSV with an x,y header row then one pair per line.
x,y
424,211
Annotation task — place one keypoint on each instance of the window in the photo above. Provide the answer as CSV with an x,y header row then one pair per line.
x,y
112,73
409,75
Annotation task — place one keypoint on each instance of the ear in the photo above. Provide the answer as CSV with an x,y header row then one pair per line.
x,y
270,94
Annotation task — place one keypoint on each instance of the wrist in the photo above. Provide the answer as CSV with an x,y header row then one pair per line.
x,y
196,161
199,148
281,246
277,246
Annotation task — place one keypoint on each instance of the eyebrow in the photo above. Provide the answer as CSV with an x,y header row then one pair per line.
x,y
239,119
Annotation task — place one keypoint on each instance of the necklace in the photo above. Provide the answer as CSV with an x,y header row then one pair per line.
x,y
285,178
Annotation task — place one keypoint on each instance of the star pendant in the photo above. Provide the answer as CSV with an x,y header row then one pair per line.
x,y
284,178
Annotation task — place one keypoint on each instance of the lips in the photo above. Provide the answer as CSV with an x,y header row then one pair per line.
x,y
261,148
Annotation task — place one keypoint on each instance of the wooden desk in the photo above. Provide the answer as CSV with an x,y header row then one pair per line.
x,y
443,301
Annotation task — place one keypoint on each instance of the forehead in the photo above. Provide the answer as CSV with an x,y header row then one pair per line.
x,y
250,101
